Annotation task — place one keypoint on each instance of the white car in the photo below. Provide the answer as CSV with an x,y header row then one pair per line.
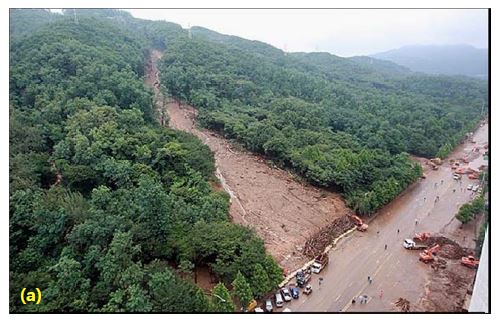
x,y
469,187
286,294
475,188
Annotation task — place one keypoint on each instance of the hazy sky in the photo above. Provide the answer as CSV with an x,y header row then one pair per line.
x,y
344,32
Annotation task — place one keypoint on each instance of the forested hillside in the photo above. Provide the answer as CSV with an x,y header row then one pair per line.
x,y
105,202
334,121
108,211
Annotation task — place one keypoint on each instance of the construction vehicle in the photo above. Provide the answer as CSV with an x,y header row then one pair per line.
x,y
421,236
411,245
320,262
470,262
303,277
428,255
252,305
360,225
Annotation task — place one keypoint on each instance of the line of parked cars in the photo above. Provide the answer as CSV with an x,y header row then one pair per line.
x,y
285,294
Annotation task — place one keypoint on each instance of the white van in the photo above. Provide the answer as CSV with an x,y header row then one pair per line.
x,y
279,301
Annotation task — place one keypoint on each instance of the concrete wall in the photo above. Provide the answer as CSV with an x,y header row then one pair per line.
x,y
479,301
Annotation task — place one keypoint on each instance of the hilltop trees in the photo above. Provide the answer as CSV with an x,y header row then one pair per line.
x,y
102,200
338,123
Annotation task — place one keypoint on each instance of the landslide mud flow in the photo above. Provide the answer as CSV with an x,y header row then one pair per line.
x,y
282,211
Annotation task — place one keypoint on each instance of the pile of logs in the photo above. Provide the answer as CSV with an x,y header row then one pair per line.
x,y
315,245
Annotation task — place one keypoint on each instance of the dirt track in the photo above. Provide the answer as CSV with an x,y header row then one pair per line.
x,y
282,211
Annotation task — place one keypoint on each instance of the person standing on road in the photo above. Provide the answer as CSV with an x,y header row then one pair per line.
x,y
398,230
425,198
385,247
442,182
369,279
416,222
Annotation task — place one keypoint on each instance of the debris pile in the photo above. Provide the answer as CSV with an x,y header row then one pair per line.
x,y
324,236
438,263
449,248
403,304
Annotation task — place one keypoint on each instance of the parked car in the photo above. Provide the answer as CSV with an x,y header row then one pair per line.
x,y
475,188
259,309
269,305
457,176
295,292
287,310
469,187
279,302
286,294
308,289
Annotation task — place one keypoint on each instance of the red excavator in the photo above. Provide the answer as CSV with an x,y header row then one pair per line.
x,y
421,237
470,262
428,255
360,225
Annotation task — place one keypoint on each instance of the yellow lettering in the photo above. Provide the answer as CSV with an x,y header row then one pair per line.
x,y
31,297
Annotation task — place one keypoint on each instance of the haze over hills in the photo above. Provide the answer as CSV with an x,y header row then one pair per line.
x,y
459,59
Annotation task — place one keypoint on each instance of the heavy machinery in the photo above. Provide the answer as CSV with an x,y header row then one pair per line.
x,y
320,262
421,237
428,255
360,225
470,262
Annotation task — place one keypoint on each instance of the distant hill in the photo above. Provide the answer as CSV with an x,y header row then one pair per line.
x,y
443,59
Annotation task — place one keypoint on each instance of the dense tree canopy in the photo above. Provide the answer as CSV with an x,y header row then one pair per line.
x,y
103,201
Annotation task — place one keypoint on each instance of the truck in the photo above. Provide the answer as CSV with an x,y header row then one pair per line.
x,y
303,277
360,225
411,245
320,262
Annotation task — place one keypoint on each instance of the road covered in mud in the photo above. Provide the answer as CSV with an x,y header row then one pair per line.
x,y
397,272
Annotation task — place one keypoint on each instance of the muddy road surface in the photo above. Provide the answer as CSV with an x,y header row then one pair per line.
x,y
282,211
397,272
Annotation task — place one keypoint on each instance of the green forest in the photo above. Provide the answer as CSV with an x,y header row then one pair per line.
x,y
105,202
339,123
108,211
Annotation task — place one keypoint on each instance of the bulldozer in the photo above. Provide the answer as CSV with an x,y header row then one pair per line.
x,y
360,225
421,237
428,255
470,262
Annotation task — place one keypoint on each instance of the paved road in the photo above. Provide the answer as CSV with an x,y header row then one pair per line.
x,y
395,271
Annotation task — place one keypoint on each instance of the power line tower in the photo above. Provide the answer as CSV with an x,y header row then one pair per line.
x,y
75,17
